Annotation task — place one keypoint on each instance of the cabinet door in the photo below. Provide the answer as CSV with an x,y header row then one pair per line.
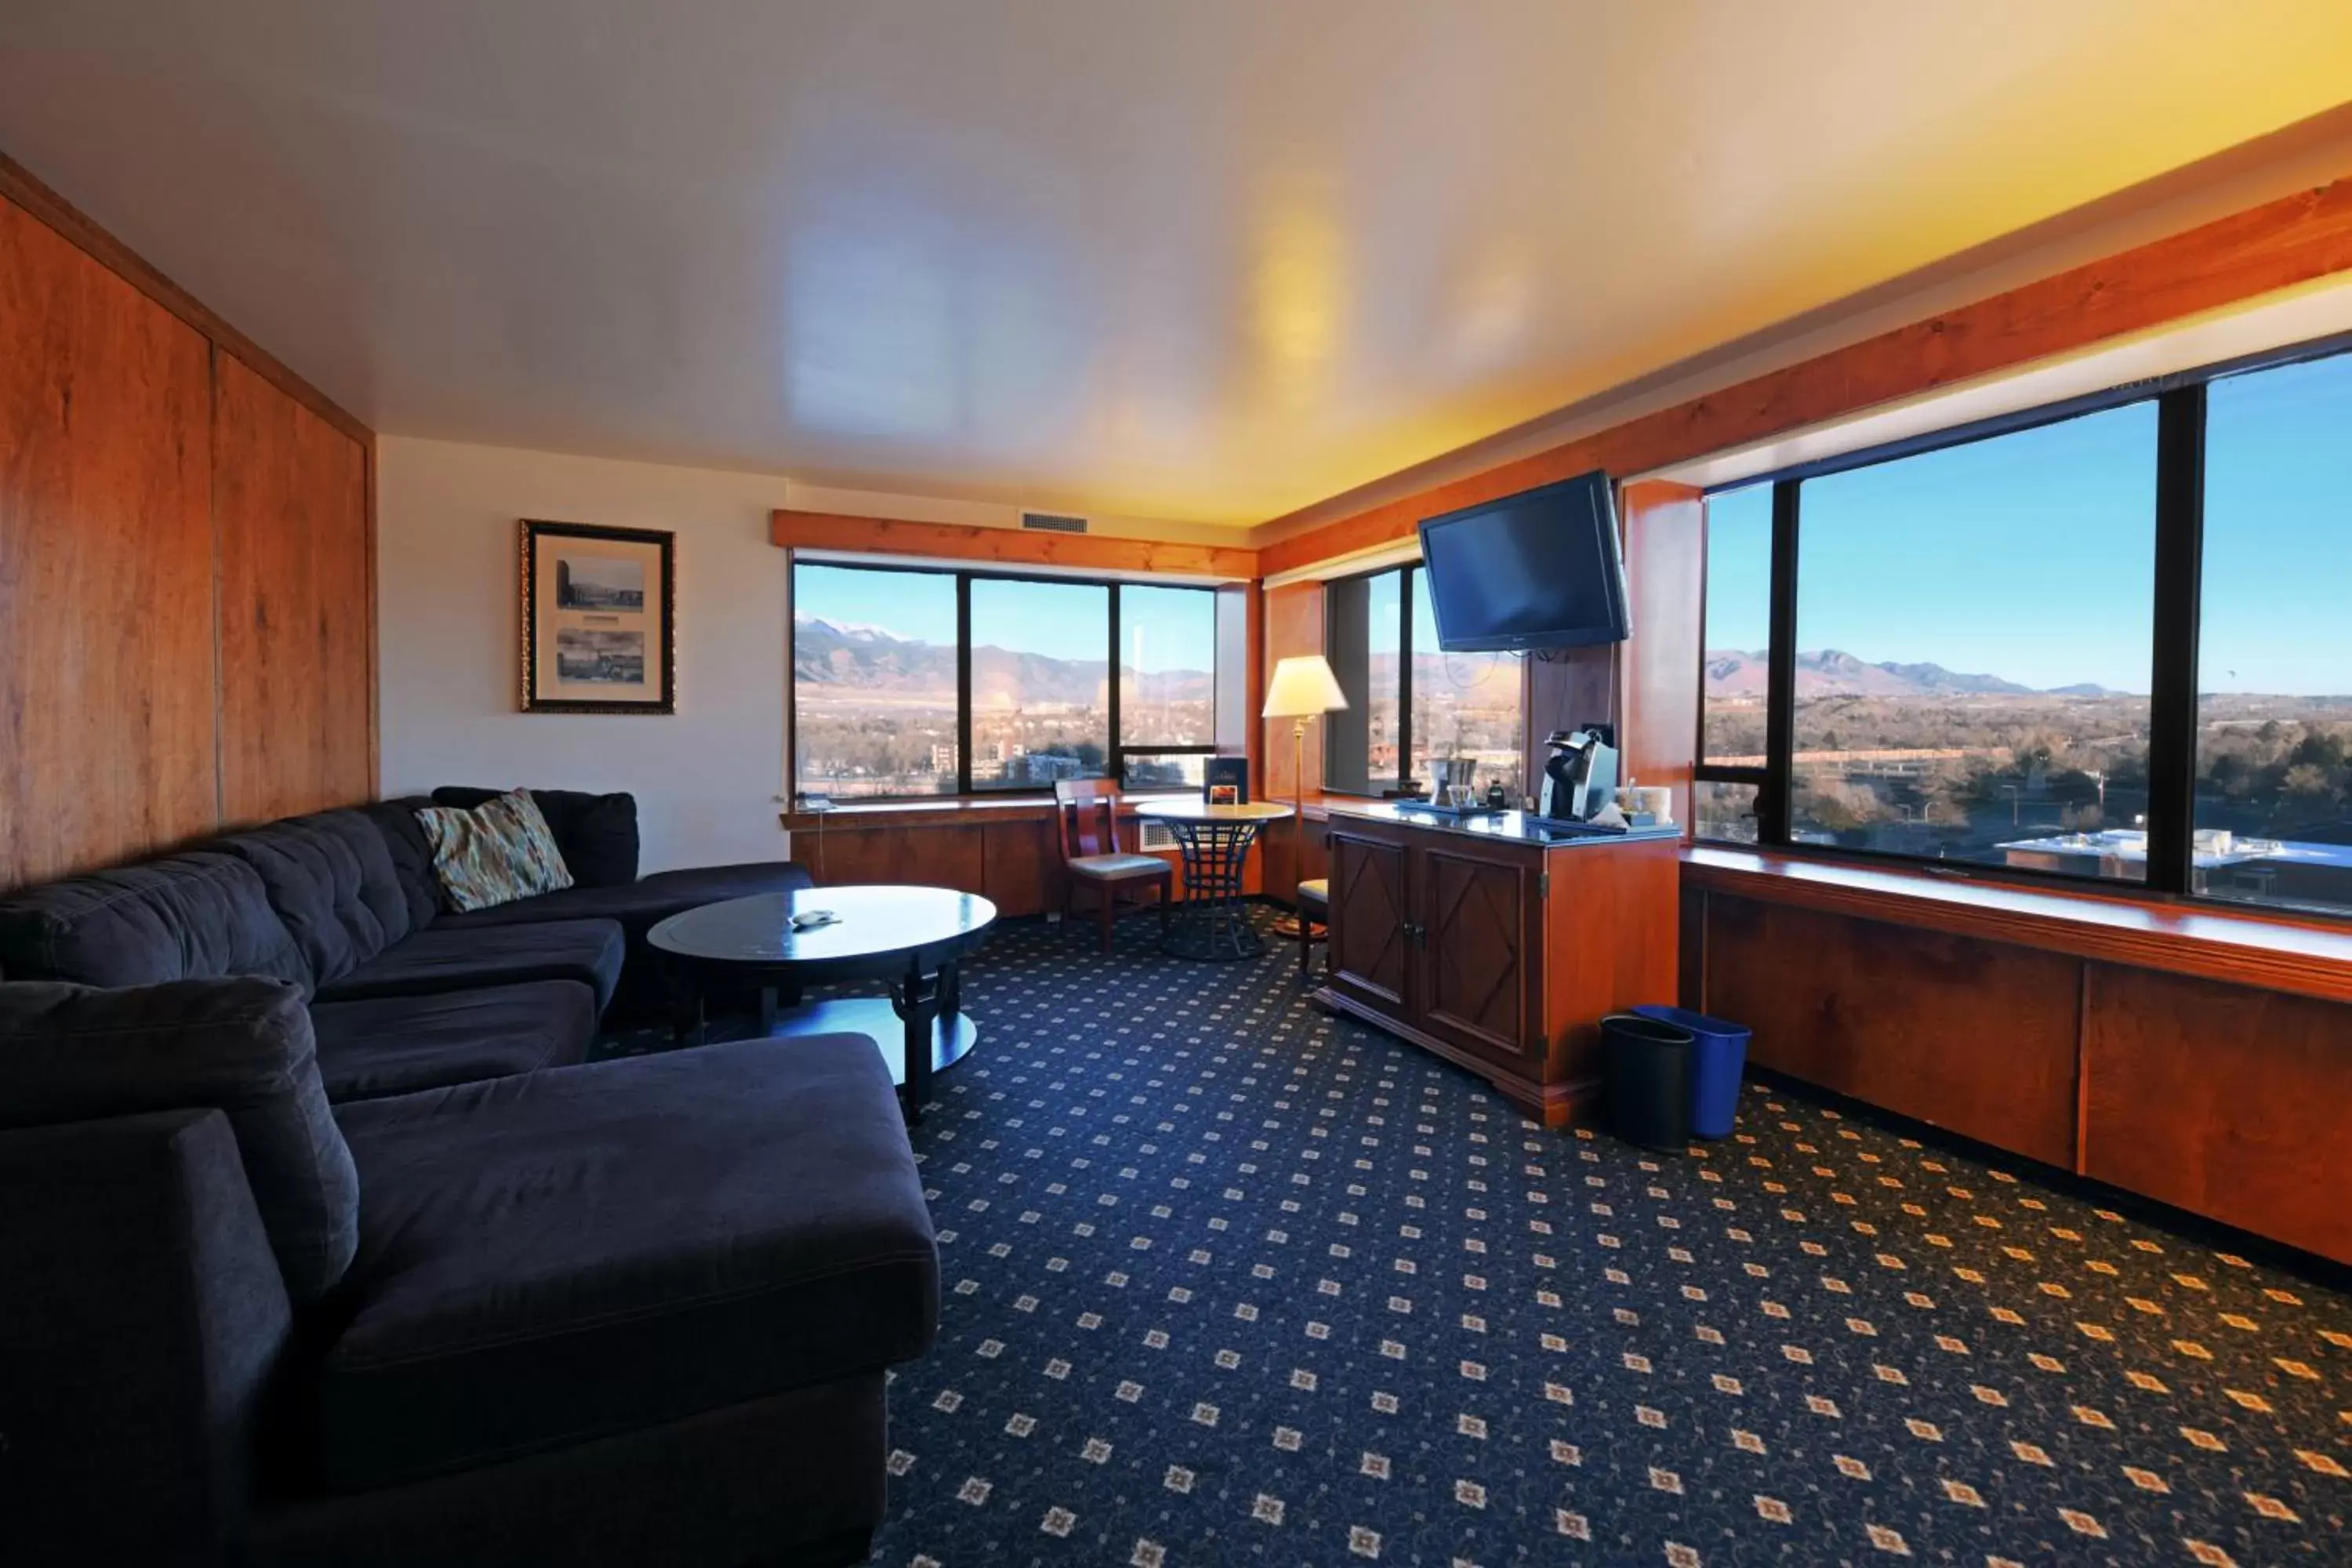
x,y
1478,926
1369,950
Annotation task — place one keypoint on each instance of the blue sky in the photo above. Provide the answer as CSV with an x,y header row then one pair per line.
x,y
2032,556
1162,628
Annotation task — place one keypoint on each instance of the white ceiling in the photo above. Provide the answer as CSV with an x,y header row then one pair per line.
x,y
1206,260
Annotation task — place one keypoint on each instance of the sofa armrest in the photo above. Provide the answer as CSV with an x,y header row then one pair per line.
x,y
142,1318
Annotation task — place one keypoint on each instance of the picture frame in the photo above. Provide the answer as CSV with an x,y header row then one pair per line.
x,y
599,618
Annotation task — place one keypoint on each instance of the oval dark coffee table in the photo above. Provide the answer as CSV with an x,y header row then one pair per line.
x,y
914,937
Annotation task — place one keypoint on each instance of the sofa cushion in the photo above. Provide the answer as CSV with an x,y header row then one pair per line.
x,y
194,916
494,853
596,832
550,1259
412,855
243,1047
394,1045
331,878
455,958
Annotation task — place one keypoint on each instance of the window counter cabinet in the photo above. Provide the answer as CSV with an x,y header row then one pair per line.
x,y
1500,942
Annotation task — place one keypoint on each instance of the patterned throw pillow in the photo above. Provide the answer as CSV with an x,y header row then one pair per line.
x,y
499,852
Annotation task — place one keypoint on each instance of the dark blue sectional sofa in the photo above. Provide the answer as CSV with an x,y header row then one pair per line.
x,y
404,993
322,1243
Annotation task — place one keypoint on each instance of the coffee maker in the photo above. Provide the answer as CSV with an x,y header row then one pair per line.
x,y
1581,775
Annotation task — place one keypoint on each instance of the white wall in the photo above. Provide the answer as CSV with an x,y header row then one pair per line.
x,y
706,779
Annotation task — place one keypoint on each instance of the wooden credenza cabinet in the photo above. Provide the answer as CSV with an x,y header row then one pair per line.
x,y
1498,948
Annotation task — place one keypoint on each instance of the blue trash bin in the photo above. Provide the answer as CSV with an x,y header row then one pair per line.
x,y
1716,1062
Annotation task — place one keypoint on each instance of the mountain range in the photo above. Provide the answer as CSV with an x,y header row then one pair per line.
x,y
1829,673
861,658
864,658
870,659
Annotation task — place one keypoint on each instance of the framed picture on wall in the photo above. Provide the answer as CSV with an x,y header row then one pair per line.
x,y
599,620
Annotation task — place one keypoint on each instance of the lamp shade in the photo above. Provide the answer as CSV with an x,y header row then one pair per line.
x,y
1303,686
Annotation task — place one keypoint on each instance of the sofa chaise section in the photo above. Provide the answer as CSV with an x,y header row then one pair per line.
x,y
625,1251
629,1311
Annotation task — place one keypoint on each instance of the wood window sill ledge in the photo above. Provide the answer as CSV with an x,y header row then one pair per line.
x,y
2246,949
946,811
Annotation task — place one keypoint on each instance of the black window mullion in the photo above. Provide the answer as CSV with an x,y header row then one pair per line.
x,y
1405,580
1114,760
963,683
1773,802
2173,710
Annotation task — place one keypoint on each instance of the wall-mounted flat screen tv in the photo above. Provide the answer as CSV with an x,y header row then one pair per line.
x,y
1536,570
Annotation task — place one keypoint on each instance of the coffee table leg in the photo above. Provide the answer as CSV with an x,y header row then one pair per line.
x,y
917,1002
686,1021
767,1011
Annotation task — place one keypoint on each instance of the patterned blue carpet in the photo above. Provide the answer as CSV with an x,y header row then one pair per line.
x,y
1230,1281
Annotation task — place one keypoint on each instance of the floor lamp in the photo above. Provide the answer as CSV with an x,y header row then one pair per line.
x,y
1302,688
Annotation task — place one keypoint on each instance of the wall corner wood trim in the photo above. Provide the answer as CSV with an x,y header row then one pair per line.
x,y
1009,547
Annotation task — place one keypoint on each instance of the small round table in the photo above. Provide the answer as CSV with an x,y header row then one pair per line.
x,y
914,937
1212,923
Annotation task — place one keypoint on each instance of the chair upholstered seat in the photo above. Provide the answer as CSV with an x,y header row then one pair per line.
x,y
1085,819
1117,868
1317,893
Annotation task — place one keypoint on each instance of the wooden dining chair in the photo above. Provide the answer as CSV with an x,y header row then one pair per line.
x,y
1086,812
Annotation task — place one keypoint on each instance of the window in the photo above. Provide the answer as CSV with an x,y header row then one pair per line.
x,y
874,681
1408,701
1167,685
1040,682
1465,705
897,672
1973,637
2101,641
2273,779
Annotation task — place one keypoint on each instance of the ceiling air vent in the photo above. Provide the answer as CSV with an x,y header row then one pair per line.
x,y
1052,523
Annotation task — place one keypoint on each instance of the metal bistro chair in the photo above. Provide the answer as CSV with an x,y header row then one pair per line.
x,y
1314,914
1086,812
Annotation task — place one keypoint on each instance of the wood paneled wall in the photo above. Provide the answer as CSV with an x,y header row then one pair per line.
x,y
1665,571
2225,1100
297,626
106,598
1294,624
187,607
